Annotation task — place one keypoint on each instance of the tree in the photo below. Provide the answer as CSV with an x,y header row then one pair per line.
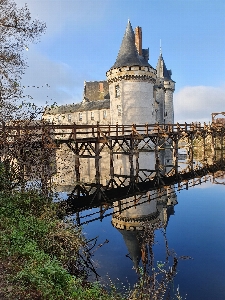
x,y
17,30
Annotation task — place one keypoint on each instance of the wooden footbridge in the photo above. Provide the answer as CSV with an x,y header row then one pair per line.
x,y
90,141
93,138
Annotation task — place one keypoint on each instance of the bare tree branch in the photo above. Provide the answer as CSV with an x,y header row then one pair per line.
x,y
17,30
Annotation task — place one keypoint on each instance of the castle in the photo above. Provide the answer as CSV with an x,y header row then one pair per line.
x,y
134,93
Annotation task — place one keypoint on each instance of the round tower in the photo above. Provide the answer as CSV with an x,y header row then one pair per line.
x,y
169,88
129,218
159,95
131,80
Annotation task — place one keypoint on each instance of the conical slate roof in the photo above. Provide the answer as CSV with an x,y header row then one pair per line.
x,y
162,71
133,245
128,55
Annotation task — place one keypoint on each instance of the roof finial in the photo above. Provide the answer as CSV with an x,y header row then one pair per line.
x,y
160,47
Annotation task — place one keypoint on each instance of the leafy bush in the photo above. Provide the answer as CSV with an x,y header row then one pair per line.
x,y
38,250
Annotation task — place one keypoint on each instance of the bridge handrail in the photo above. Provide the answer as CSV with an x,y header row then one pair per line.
x,y
77,131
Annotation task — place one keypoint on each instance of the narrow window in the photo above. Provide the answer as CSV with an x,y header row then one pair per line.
x,y
104,114
80,116
69,118
119,110
92,115
59,119
117,91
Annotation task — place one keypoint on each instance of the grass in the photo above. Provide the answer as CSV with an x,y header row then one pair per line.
x,y
40,254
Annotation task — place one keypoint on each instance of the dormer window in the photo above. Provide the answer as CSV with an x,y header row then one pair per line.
x,y
117,91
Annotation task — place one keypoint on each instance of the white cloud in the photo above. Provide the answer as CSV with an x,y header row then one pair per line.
x,y
196,103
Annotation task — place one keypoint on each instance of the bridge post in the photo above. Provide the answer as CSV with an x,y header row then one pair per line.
x,y
176,147
111,162
213,142
46,153
97,165
191,153
77,162
204,147
221,142
131,152
137,161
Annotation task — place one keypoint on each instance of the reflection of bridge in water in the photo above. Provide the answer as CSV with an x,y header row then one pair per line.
x,y
86,195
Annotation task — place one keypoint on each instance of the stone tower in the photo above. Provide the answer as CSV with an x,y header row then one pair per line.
x,y
131,81
165,87
130,220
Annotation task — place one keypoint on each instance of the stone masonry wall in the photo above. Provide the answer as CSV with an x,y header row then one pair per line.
x,y
85,117
96,90
169,110
138,104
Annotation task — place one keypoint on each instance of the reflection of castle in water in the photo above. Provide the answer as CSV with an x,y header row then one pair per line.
x,y
130,214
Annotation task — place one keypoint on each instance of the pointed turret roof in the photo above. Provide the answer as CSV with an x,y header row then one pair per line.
x,y
133,245
162,71
128,54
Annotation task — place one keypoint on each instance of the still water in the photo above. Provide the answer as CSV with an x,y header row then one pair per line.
x,y
195,230
170,237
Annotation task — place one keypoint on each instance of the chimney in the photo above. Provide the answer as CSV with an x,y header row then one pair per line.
x,y
138,39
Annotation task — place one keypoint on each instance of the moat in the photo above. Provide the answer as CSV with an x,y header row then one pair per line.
x,y
184,239
195,231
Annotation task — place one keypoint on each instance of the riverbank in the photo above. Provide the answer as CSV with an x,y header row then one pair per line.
x,y
41,256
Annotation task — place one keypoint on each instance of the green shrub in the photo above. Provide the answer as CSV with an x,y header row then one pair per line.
x,y
37,248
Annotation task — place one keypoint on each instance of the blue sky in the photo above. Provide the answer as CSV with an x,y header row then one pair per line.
x,y
83,39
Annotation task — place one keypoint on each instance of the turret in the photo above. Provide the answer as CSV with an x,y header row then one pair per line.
x,y
131,80
159,95
164,76
129,219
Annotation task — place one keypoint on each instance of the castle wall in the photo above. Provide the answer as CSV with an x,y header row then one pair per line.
x,y
131,95
169,111
159,94
96,90
135,105
116,104
80,117
138,104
